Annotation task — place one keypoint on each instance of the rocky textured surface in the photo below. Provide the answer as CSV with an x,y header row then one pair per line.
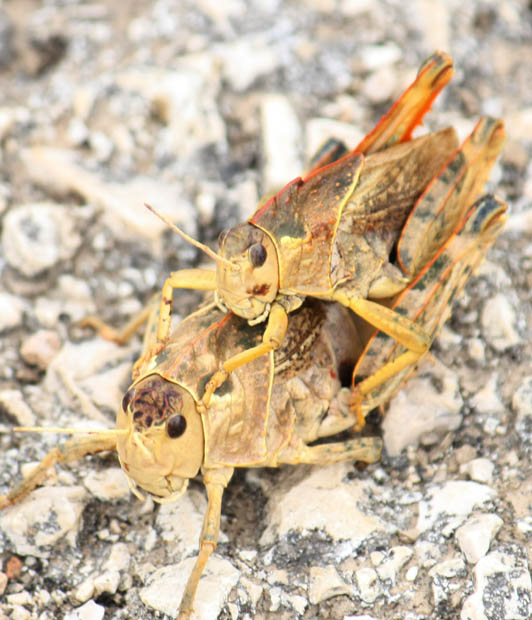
x,y
200,108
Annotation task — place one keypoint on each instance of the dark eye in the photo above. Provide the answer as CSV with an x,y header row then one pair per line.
x,y
257,254
176,426
127,399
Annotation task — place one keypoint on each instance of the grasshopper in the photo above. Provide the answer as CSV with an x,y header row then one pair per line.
x,y
355,231
164,437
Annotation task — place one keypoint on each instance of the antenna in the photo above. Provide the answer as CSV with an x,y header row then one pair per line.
x,y
191,240
69,431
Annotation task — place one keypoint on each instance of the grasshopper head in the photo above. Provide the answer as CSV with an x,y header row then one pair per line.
x,y
164,445
253,282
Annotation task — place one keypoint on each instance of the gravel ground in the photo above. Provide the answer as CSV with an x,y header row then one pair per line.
x,y
200,108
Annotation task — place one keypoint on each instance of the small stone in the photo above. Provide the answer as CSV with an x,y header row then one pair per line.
x,y
411,573
475,536
18,612
179,523
106,582
101,145
368,584
448,504
375,57
499,323
453,567
392,564
429,409
119,558
324,501
3,582
487,400
480,470
522,405
20,598
46,516
281,136
512,596
476,350
13,402
254,590
77,132
108,484
89,611
166,585
325,582
85,590
380,86
36,236
464,454
40,348
245,60
11,312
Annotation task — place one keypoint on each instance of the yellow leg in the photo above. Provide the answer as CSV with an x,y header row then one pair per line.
x,y
272,339
72,450
367,449
215,483
120,336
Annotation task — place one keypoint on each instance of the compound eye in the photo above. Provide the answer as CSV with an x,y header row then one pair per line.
x,y
127,399
176,426
257,254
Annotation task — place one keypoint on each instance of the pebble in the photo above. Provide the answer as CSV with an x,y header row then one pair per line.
x,y
324,501
11,312
281,136
480,470
373,57
59,171
14,404
487,400
392,563
37,236
499,323
368,584
253,590
165,587
40,348
89,611
428,410
449,568
119,559
522,405
108,484
502,587
324,583
475,536
245,60
179,523
448,504
107,582
380,86
45,517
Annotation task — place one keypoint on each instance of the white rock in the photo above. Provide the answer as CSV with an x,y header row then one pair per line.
x,y
40,348
487,400
89,611
58,170
449,568
106,582
245,60
12,401
323,501
11,311
475,536
180,522
77,132
411,573
393,562
166,585
85,590
109,484
119,558
324,583
451,502
512,595
281,135
368,584
46,516
522,405
254,590
480,470
427,409
499,323
36,236
380,86
374,57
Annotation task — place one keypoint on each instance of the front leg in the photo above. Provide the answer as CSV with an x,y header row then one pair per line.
x,y
271,340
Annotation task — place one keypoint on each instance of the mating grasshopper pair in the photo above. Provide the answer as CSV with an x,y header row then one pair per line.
x,y
332,234
260,416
